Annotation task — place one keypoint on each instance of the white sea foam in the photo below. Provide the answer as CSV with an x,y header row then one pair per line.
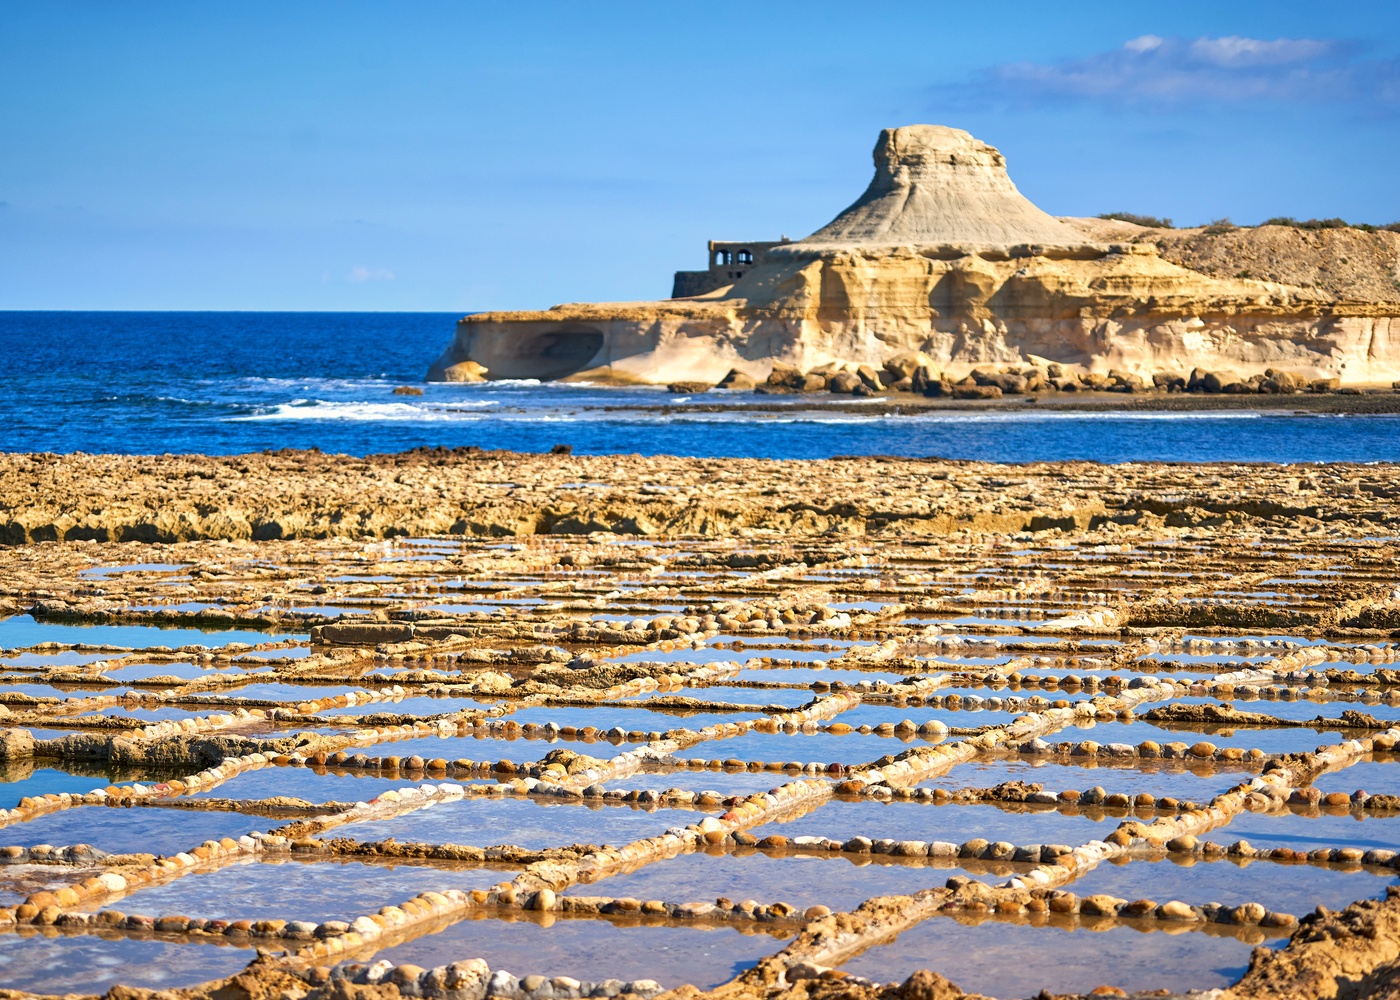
x,y
302,409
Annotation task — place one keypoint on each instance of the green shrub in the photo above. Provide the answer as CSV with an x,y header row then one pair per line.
x,y
1150,221
1288,220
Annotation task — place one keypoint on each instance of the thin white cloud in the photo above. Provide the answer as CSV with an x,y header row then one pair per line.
x,y
359,275
1155,71
1143,43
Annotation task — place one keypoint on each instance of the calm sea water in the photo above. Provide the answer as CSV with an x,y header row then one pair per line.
x,y
232,382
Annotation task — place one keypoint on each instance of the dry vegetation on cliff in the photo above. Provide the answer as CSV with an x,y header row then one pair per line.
x,y
1348,265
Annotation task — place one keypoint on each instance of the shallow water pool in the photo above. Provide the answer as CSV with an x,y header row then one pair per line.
x,y
1057,776
531,823
22,630
1296,889
595,949
303,890
88,963
134,830
840,882
841,820
1013,960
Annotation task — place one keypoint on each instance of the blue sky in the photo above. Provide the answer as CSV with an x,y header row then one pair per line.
x,y
449,156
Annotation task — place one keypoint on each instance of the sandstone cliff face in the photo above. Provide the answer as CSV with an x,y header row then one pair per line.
x,y
942,254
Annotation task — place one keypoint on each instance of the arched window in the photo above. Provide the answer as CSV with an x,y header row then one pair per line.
x,y
721,258
745,257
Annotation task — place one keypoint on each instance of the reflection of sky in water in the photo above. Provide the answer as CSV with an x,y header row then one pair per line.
x,y
605,717
102,572
1058,777
532,823
1268,740
1304,833
136,830
292,653
23,630
185,671
595,949
1380,777
90,964
49,691
1307,710
838,882
874,713
305,783
842,819
67,658
1300,890
1011,960
288,692
808,675
294,890
422,705
805,748
47,780
787,697
487,748
143,716
724,782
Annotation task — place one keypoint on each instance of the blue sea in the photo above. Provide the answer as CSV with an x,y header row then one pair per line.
x,y
220,383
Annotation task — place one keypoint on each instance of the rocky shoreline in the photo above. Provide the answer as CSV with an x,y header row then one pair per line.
x,y
471,492
891,403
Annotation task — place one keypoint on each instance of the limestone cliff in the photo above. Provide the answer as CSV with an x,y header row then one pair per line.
x,y
943,255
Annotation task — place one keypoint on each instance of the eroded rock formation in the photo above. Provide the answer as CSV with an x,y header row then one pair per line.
x,y
943,255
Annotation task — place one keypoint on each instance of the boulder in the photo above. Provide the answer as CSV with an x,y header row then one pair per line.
x,y
464,371
1008,382
870,377
1204,381
975,391
843,382
905,364
1126,382
783,374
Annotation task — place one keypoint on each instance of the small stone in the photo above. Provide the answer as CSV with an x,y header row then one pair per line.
x,y
1176,910
1100,905
1184,844
502,984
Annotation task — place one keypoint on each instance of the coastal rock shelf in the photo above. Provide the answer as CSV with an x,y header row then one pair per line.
x,y
758,730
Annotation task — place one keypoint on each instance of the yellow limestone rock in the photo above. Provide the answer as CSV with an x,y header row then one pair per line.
x,y
943,255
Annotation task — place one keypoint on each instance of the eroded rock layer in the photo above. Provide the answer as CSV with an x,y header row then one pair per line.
x,y
484,493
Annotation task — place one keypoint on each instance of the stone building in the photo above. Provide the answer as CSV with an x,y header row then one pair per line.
x,y
728,263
